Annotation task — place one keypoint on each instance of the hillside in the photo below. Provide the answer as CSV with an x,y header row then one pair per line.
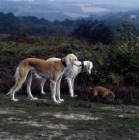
x,y
61,10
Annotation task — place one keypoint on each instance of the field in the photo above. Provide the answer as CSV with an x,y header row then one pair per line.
x,y
77,118
71,120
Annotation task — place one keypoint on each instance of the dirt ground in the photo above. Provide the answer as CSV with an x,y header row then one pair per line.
x,y
72,120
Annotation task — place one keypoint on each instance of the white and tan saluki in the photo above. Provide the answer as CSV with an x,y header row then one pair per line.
x,y
51,70
70,73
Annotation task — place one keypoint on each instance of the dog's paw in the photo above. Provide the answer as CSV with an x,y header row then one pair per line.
x,y
57,102
74,96
35,98
43,93
61,100
15,100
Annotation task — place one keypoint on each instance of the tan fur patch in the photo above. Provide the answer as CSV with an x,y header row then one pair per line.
x,y
103,92
42,66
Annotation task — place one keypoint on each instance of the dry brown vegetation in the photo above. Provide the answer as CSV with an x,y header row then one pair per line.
x,y
104,73
79,118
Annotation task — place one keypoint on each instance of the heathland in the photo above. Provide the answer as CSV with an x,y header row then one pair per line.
x,y
116,66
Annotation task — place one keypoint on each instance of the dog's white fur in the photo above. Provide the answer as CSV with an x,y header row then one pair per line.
x,y
70,73
52,70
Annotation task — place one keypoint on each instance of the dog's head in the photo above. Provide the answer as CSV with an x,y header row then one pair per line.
x,y
71,59
88,65
111,95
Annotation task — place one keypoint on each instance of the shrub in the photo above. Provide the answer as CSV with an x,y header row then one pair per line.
x,y
93,31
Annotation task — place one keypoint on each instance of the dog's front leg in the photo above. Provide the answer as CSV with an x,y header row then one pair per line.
x,y
53,91
70,86
72,83
58,89
29,81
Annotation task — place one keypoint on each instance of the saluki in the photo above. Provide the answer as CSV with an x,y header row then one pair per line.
x,y
70,73
51,70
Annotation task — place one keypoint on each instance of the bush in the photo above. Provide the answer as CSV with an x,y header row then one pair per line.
x,y
93,31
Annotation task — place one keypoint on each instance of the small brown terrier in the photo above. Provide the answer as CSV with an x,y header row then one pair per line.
x,y
103,92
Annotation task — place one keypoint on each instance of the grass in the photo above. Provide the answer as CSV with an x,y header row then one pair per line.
x,y
43,119
78,118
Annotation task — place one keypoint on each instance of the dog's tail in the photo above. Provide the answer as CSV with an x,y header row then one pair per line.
x,y
16,75
8,93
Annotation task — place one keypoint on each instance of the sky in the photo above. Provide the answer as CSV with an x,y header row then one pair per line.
x,y
113,2
87,6
133,2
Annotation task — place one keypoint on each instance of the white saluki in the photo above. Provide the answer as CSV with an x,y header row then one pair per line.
x,y
70,73
51,70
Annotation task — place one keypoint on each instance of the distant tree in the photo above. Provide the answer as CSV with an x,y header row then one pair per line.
x,y
93,31
43,21
8,23
31,19
68,23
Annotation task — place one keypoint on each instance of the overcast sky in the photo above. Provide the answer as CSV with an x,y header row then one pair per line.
x,y
133,2
110,1
104,0
117,2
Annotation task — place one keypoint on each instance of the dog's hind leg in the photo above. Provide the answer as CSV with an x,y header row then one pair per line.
x,y
20,78
29,81
16,87
42,85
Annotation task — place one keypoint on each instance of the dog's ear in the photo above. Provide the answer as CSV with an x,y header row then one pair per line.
x,y
88,64
89,67
63,61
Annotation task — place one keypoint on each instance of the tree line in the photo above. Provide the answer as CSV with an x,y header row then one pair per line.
x,y
92,29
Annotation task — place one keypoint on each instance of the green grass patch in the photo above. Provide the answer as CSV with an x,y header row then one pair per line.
x,y
43,119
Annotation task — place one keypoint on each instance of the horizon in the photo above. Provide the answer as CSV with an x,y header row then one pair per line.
x,y
61,9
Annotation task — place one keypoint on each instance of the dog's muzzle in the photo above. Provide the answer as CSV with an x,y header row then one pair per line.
x,y
77,63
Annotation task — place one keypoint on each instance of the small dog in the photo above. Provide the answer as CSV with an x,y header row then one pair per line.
x,y
103,92
51,70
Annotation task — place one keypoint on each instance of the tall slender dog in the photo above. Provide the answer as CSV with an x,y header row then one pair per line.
x,y
70,73
52,70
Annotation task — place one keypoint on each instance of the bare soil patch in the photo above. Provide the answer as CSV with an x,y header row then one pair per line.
x,y
74,119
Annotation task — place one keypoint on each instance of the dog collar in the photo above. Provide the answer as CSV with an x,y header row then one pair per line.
x,y
63,63
82,64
